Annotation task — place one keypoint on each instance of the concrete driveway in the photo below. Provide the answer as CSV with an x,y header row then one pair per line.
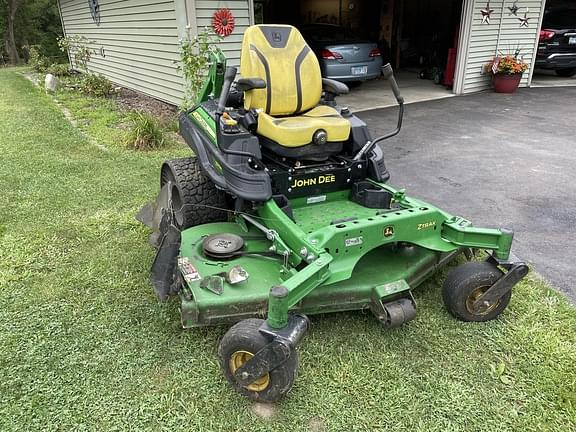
x,y
548,78
498,160
377,94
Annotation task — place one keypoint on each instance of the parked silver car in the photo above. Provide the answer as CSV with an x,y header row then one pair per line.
x,y
342,56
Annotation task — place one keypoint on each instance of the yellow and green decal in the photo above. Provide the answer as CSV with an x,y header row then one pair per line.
x,y
205,122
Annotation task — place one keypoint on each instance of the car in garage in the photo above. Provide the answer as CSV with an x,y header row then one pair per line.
x,y
557,45
342,56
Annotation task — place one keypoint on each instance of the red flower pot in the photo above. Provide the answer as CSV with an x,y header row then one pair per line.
x,y
506,83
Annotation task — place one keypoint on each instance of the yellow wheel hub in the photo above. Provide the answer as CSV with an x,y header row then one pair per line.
x,y
238,359
483,309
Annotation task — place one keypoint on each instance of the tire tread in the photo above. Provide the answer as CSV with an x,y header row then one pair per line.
x,y
245,335
462,281
199,195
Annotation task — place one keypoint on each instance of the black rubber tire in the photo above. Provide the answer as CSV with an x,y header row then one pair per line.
x,y
566,73
195,198
463,282
245,336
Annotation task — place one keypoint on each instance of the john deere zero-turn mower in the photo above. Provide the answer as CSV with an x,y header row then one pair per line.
x,y
284,211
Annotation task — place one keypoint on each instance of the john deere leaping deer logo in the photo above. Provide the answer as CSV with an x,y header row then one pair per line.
x,y
94,10
389,231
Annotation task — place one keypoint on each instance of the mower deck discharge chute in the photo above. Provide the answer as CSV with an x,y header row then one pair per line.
x,y
285,211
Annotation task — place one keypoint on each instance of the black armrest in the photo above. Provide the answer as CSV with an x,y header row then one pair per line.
x,y
335,87
245,84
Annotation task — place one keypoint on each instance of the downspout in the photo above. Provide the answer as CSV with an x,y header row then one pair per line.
x,y
251,11
191,27
181,11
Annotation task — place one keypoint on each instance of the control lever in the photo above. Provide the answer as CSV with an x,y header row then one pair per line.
x,y
229,76
389,75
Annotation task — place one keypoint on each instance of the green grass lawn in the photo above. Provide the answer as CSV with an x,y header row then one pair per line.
x,y
84,344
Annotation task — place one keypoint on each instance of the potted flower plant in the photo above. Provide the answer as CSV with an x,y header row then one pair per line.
x,y
506,72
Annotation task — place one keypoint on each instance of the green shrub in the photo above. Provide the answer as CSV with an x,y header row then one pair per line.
x,y
194,63
38,61
96,85
78,49
145,132
60,69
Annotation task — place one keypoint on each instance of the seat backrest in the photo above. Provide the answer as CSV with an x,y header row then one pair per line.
x,y
279,55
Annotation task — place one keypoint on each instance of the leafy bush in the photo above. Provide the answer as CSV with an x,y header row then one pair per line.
x,y
194,63
96,85
60,69
42,64
78,49
37,60
145,132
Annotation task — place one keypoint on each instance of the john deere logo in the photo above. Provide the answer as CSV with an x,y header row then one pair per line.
x,y
389,231
322,179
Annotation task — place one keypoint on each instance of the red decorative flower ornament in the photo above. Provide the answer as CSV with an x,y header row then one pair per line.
x,y
223,22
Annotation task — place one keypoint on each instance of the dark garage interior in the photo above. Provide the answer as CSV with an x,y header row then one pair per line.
x,y
419,36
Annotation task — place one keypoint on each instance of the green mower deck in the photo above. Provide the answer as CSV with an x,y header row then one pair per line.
x,y
335,255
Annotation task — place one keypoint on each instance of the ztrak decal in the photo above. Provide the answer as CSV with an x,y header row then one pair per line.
x,y
322,179
426,225
203,124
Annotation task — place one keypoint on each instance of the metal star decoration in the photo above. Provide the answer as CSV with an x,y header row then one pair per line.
x,y
524,21
486,12
514,8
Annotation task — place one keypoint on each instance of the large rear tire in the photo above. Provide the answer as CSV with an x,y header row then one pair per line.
x,y
195,198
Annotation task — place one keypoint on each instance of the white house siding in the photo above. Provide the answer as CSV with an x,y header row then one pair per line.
x,y
136,43
241,10
503,35
138,40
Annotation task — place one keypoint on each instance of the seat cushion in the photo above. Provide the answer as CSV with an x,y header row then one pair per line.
x,y
297,131
280,56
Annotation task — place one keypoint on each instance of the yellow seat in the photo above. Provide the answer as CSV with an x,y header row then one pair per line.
x,y
297,131
290,114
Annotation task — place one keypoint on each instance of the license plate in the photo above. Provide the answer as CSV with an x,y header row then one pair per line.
x,y
572,40
359,70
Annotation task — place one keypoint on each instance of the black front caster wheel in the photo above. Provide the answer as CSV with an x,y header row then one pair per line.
x,y
465,284
239,345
